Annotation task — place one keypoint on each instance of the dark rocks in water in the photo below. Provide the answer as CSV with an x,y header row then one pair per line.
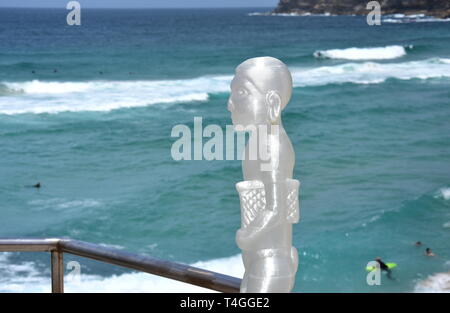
x,y
436,8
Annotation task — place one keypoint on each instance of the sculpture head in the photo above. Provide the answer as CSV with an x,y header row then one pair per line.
x,y
260,90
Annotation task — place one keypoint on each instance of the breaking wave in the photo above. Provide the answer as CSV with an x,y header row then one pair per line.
x,y
52,97
293,14
389,18
372,73
415,18
444,193
439,282
376,53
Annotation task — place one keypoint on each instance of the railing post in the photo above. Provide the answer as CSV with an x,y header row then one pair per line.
x,y
57,271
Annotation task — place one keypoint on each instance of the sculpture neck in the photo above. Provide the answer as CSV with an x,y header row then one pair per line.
x,y
268,129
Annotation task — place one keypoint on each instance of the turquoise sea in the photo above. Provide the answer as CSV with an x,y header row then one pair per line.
x,y
88,112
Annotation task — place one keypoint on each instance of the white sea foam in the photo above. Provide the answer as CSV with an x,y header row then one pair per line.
x,y
45,88
376,53
63,204
4,256
53,97
415,18
444,193
439,282
291,14
371,72
13,275
391,18
108,245
33,281
258,13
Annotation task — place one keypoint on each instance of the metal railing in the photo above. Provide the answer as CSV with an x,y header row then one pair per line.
x,y
168,269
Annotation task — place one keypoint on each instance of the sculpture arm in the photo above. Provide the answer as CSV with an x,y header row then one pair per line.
x,y
267,219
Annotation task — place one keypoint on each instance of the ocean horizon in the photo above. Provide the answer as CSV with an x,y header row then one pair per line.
x,y
88,110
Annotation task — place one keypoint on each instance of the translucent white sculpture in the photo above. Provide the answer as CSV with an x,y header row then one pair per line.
x,y
260,90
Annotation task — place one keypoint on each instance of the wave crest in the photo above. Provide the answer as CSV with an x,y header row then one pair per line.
x,y
444,193
372,73
414,18
52,97
376,53
439,282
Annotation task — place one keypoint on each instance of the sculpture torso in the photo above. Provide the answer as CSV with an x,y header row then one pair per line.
x,y
252,171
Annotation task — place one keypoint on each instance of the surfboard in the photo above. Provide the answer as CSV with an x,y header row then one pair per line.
x,y
389,265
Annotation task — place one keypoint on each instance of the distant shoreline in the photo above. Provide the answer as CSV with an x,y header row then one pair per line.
x,y
333,7
386,18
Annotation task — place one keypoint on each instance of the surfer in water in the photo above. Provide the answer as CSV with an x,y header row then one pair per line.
x,y
428,252
37,186
384,267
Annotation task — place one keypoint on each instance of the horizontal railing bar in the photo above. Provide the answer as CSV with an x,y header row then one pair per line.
x,y
168,269
28,245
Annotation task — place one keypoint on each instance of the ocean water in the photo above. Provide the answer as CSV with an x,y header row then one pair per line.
x,y
88,112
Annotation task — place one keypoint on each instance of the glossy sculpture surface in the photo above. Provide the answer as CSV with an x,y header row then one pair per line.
x,y
260,90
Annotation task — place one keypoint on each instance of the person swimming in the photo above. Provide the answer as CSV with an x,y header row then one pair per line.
x,y
428,252
418,244
384,267
37,186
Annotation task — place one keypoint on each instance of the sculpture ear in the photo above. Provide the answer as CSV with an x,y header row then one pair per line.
x,y
273,101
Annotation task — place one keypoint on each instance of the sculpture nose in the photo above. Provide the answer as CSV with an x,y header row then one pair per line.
x,y
230,105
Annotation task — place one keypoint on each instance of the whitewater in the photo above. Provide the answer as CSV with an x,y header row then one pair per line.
x,y
52,97
376,53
